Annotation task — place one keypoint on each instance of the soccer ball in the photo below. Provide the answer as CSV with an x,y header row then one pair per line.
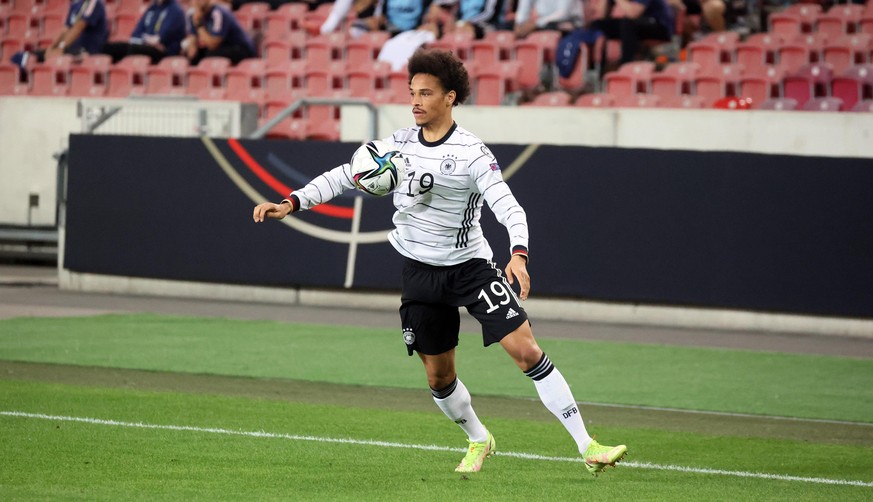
x,y
377,168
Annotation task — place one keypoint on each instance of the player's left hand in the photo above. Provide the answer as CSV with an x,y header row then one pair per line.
x,y
517,269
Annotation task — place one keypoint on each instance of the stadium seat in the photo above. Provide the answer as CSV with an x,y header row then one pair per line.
x,y
279,23
779,104
807,13
786,24
127,77
761,84
291,47
10,84
534,52
122,26
248,74
363,81
792,56
9,46
823,104
91,76
854,85
293,128
178,66
840,19
325,49
758,50
492,84
51,24
683,102
595,100
256,12
638,101
865,24
863,106
810,81
717,83
133,7
51,78
18,26
160,81
459,42
324,79
313,19
555,98
815,42
630,78
846,51
713,49
209,73
363,51
495,46
675,79
279,79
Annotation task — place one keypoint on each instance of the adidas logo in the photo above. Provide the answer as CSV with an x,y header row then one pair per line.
x,y
511,314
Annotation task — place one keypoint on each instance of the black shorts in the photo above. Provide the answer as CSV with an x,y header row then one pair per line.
x,y
432,295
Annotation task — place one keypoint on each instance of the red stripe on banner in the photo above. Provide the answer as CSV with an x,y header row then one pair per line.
x,y
281,188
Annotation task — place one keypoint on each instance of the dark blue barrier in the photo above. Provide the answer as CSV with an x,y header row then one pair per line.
x,y
755,232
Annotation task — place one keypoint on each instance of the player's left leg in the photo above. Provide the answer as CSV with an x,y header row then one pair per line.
x,y
557,397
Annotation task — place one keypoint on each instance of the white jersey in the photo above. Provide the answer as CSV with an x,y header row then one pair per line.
x,y
439,202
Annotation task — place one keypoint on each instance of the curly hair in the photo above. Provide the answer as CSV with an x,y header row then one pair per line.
x,y
446,67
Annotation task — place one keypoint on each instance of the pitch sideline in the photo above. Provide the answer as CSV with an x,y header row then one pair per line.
x,y
388,444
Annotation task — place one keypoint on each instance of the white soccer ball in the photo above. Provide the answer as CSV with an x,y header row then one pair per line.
x,y
377,168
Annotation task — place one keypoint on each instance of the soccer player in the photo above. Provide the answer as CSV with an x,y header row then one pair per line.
x,y
447,261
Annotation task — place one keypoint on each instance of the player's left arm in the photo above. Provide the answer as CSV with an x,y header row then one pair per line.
x,y
509,213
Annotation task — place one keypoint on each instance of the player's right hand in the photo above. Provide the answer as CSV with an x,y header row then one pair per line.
x,y
270,210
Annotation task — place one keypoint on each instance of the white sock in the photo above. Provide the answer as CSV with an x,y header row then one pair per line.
x,y
556,396
457,404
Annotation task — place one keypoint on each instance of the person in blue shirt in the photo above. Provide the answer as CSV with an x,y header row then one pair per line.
x,y
640,20
159,33
86,31
214,31
394,16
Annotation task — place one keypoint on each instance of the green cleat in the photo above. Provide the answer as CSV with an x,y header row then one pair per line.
x,y
477,453
598,456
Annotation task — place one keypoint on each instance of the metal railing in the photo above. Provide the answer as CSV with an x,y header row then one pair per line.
x,y
293,107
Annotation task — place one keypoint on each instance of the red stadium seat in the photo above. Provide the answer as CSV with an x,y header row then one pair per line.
x,y
792,56
786,24
256,12
809,82
630,78
717,83
364,81
683,102
779,104
209,73
178,67
91,76
761,84
847,50
807,13
496,46
248,74
492,84
122,26
758,50
675,79
595,100
853,85
10,84
638,101
51,78
557,98
326,49
282,78
823,104
364,50
533,52
459,42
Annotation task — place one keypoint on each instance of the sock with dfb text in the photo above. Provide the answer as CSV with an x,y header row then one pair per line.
x,y
457,404
556,396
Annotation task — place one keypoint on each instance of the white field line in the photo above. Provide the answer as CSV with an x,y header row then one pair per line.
x,y
388,444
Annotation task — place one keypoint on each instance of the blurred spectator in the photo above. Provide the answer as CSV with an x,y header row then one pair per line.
x,y
158,33
395,16
473,17
341,8
712,12
563,15
632,21
214,31
86,30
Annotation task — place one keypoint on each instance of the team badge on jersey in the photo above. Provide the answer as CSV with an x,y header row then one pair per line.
x,y
408,336
494,166
447,166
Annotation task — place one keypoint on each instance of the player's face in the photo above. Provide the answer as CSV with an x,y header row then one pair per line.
x,y
431,104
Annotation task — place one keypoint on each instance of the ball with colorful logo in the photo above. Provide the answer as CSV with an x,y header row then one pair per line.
x,y
377,168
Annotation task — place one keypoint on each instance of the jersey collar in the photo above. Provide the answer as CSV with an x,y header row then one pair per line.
x,y
439,141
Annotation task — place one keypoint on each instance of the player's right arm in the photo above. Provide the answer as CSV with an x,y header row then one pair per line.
x,y
274,211
321,189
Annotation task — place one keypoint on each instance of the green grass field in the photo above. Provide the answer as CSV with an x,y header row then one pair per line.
x,y
156,407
